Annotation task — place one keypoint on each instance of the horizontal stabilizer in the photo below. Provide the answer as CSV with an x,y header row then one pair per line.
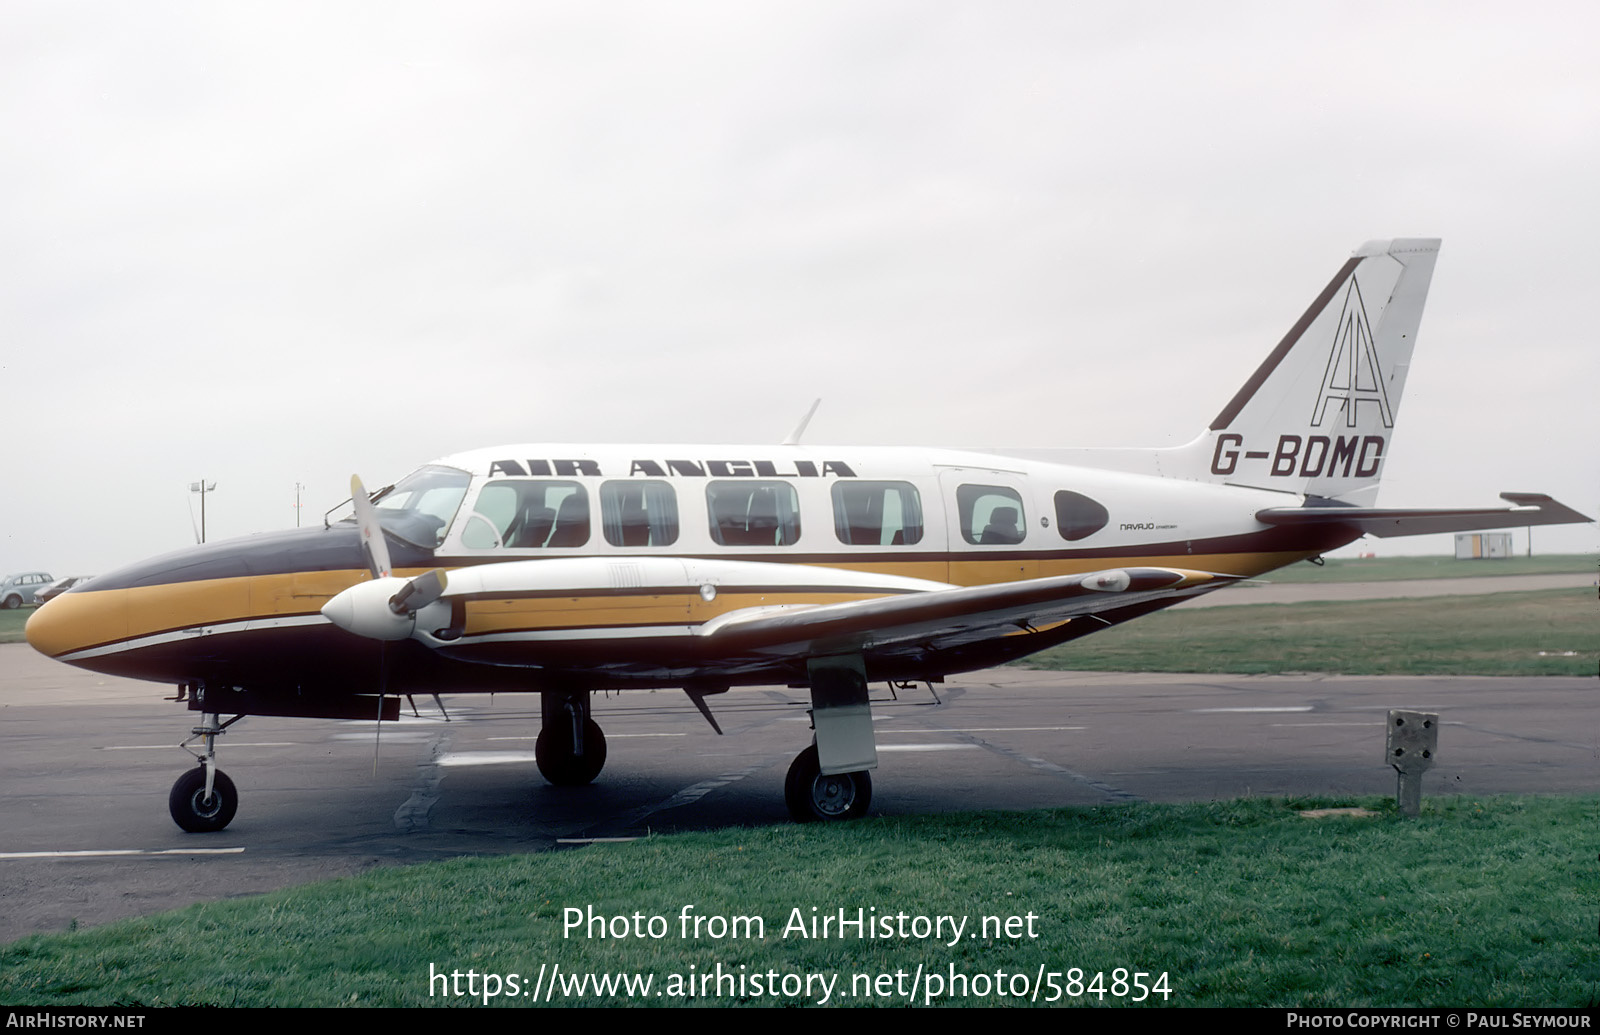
x,y
1528,508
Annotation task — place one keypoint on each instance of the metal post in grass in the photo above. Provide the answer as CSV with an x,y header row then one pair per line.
x,y
1412,742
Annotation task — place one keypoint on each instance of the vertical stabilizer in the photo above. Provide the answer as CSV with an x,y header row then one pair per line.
x,y
1317,417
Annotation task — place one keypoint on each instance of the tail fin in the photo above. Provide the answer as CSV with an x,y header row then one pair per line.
x,y
1317,416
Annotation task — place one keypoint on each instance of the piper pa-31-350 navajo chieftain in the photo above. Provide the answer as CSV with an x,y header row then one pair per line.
x,y
564,570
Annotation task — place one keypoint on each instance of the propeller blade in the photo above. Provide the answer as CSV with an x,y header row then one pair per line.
x,y
418,593
383,689
373,545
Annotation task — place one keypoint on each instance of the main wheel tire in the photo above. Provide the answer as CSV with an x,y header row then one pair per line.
x,y
560,766
190,808
812,796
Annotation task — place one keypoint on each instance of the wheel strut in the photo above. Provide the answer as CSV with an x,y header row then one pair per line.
x,y
204,799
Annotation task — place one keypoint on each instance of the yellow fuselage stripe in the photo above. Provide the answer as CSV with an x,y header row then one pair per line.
x,y
578,611
76,621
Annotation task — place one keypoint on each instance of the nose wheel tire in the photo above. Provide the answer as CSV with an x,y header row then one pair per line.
x,y
560,764
196,813
812,797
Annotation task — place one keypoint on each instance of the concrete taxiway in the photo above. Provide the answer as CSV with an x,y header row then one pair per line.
x,y
86,762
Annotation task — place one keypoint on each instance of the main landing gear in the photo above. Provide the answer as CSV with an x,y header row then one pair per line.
x,y
571,749
829,780
204,799
812,796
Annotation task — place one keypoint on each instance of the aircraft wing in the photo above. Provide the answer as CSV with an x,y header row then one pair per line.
x,y
950,617
1528,508
598,612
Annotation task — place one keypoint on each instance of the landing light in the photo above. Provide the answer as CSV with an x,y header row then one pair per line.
x,y
1108,581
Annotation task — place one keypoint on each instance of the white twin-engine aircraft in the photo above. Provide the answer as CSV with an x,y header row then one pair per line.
x,y
563,569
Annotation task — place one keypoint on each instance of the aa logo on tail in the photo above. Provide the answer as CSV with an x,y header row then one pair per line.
x,y
1353,376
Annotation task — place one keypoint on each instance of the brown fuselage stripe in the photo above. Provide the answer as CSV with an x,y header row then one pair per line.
x,y
86,620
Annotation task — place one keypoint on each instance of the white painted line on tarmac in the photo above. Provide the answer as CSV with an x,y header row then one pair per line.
x,y
927,747
991,729
594,840
170,747
1296,725
876,717
695,792
485,758
609,736
1246,711
94,853
637,736
392,737
1411,707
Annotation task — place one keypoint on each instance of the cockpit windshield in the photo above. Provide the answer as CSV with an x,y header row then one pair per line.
x,y
421,505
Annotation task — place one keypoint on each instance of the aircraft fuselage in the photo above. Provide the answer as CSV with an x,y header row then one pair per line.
x,y
246,612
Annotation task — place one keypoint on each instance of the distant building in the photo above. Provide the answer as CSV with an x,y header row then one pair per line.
x,y
1471,546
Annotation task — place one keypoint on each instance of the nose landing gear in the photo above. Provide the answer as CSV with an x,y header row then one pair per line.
x,y
204,799
200,809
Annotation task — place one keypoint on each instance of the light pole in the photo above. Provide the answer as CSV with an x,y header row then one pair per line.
x,y
202,487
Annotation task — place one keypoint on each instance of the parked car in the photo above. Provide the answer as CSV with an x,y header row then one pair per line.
x,y
18,590
58,587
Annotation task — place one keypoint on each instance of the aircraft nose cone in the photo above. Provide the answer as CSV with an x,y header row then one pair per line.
x,y
41,632
74,621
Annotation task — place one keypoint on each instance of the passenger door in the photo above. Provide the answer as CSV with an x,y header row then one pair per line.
x,y
991,520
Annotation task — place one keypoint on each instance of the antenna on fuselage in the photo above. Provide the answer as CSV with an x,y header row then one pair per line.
x,y
800,429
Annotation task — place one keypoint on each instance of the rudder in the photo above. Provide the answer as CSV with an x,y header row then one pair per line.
x,y
1317,416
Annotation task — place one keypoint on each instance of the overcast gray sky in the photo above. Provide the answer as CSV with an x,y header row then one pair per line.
x,y
271,243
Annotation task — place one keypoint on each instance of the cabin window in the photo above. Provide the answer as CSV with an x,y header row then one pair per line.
x,y
639,513
528,515
877,513
753,513
1078,516
990,514
420,507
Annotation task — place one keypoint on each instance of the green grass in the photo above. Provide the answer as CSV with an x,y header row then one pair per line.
x,y
12,623
1488,902
1388,569
1502,634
